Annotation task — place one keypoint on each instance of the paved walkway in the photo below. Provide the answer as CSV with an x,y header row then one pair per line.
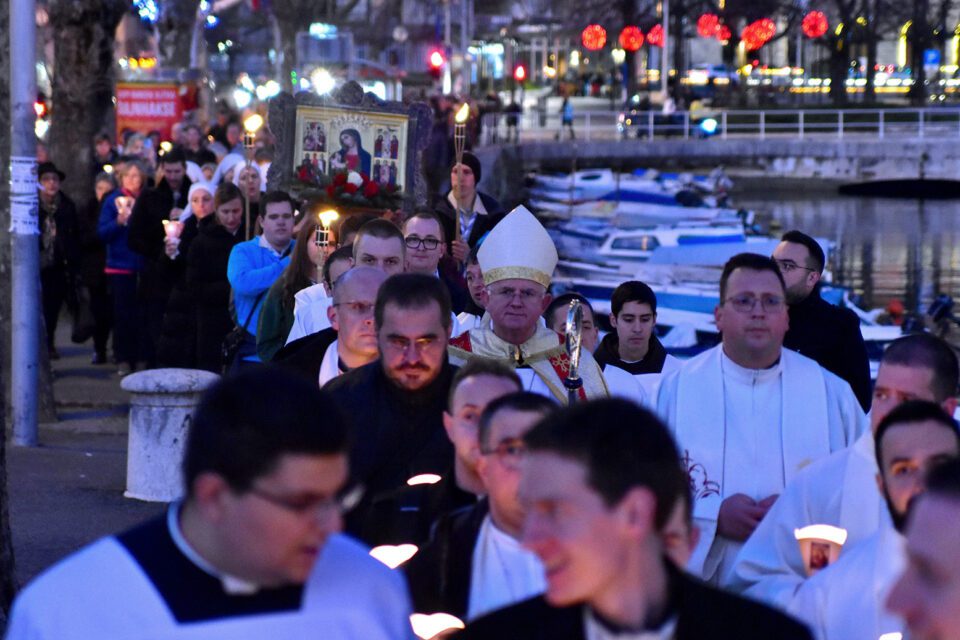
x,y
69,490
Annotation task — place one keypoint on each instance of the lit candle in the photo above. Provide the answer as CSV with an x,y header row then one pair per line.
x,y
429,626
423,478
459,138
820,545
394,555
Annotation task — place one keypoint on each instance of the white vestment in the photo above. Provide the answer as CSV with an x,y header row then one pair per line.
x,y
650,382
309,312
750,431
103,592
330,365
467,321
841,491
846,600
503,572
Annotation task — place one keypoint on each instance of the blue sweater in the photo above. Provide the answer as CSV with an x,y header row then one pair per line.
x,y
251,270
119,255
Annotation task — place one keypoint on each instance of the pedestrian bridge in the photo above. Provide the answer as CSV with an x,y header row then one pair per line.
x,y
842,146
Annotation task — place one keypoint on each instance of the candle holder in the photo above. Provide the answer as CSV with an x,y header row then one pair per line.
x,y
820,545
322,238
250,127
459,138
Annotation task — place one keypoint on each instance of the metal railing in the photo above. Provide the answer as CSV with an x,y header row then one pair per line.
x,y
859,124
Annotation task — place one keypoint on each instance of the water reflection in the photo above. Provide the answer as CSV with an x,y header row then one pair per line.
x,y
886,249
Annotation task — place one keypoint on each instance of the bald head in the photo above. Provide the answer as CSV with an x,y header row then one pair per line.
x,y
356,279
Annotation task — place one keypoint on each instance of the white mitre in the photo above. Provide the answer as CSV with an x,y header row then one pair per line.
x,y
518,247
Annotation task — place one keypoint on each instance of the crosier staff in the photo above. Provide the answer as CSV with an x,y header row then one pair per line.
x,y
573,335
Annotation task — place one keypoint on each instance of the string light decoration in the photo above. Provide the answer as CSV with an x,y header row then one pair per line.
x,y
655,36
594,37
814,24
631,38
707,25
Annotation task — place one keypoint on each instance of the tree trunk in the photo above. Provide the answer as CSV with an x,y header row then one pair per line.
x,y
838,72
83,84
7,582
869,92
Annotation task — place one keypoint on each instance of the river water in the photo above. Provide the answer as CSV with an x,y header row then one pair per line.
x,y
886,249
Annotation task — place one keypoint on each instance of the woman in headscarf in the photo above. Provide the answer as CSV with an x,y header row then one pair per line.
x,y
351,155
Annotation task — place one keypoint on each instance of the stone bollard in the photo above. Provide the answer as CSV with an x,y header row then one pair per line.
x,y
161,406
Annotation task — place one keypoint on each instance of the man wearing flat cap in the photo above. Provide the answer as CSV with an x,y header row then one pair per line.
x,y
59,246
479,213
517,259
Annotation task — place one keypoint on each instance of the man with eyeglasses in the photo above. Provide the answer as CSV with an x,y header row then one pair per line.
x,y
517,260
474,562
252,550
749,415
819,330
395,404
425,242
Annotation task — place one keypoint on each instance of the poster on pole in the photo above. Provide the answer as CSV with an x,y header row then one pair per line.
x,y
145,107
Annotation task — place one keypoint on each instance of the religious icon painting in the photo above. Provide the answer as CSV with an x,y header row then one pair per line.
x,y
356,138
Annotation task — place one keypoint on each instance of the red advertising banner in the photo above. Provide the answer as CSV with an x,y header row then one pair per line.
x,y
145,107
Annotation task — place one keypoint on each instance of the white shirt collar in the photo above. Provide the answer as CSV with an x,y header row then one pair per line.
x,y
266,245
231,584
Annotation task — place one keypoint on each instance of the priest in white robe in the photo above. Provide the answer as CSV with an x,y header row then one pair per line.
x,y
748,415
845,601
517,259
841,490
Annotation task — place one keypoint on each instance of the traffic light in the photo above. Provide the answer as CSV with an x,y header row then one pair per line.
x,y
436,60
520,73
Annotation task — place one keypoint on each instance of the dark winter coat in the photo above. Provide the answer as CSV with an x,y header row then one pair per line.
x,y
177,345
146,235
208,286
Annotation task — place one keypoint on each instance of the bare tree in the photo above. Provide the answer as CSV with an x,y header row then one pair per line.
x,y
83,84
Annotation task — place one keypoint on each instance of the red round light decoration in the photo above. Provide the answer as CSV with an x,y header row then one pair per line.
x,y
724,33
758,33
655,36
631,38
814,24
594,37
707,25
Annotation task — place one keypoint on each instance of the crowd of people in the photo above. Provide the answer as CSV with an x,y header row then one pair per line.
x,y
410,385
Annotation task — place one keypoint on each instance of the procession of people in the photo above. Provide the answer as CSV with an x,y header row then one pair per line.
x,y
418,384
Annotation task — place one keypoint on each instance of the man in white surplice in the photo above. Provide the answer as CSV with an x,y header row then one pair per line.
x,y
748,414
841,490
845,601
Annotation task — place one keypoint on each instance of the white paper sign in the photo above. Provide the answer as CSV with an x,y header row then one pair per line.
x,y
23,175
24,218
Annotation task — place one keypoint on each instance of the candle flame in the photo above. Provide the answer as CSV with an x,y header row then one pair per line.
x,y
826,532
253,123
165,146
394,555
108,168
327,217
462,113
428,626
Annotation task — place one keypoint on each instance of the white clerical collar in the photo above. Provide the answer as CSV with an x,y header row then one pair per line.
x,y
266,245
231,584
596,630
745,374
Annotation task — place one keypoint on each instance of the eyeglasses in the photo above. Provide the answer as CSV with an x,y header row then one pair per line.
x,y
321,508
414,242
786,266
401,344
747,303
357,307
510,453
508,293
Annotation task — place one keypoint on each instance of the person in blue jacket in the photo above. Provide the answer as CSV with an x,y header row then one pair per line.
x,y
256,264
123,265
